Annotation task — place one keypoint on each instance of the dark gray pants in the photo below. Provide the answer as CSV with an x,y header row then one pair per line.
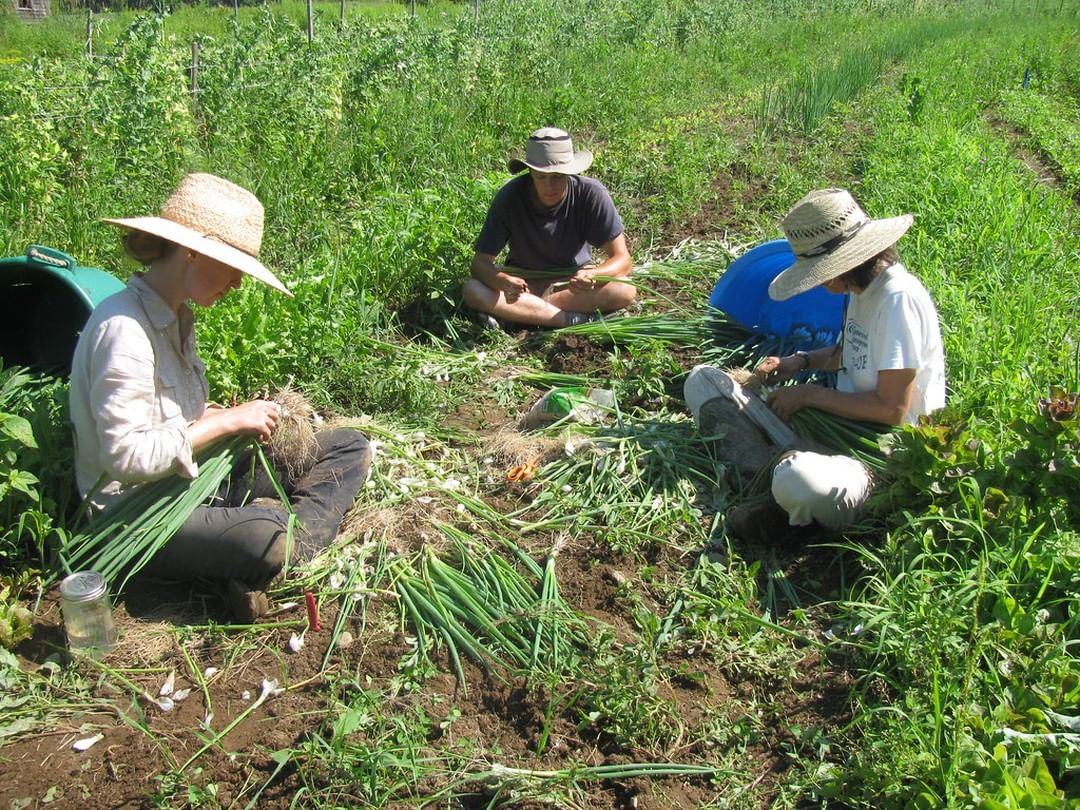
x,y
238,540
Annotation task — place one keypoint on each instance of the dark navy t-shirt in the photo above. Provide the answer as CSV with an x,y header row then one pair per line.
x,y
543,238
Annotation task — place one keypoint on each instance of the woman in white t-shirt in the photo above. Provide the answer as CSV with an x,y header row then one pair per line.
x,y
889,360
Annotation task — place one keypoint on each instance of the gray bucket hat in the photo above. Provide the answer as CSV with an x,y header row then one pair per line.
x,y
551,150
830,234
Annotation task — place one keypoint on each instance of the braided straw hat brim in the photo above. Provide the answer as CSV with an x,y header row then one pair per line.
x,y
207,246
215,217
807,273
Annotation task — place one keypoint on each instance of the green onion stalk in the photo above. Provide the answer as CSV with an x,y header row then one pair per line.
x,y
861,440
575,773
732,345
123,538
561,274
633,483
554,379
483,607
635,329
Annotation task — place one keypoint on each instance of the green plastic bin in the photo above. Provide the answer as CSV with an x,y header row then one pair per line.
x,y
45,300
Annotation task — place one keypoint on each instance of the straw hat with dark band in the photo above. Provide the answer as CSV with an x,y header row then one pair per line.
x,y
216,218
551,150
830,234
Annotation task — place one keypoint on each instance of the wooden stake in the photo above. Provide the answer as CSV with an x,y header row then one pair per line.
x,y
195,72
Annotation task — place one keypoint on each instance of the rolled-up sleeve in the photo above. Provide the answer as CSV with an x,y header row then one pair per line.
x,y
141,430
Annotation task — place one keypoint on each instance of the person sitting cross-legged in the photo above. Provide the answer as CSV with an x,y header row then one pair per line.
x,y
550,218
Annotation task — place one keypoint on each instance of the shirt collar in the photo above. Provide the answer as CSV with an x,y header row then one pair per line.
x,y
161,315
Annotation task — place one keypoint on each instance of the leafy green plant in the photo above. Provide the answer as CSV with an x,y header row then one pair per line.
x,y
16,622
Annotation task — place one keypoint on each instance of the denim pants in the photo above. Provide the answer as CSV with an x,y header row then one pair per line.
x,y
240,540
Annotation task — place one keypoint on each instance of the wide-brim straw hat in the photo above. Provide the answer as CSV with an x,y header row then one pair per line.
x,y
830,234
551,150
214,217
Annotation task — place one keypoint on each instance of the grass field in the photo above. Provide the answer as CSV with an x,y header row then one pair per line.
x,y
591,637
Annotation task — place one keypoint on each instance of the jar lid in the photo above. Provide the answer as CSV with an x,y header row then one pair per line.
x,y
82,586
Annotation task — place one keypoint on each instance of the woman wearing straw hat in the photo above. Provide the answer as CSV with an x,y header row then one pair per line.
x,y
889,360
139,397
551,218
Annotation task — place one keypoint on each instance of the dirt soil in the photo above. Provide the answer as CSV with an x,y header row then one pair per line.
x,y
1038,163
142,744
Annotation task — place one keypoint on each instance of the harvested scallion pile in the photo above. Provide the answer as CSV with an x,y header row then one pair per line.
x,y
479,604
643,329
123,538
861,440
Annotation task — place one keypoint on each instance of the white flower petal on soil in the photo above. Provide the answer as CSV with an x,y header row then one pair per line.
x,y
287,606
86,742
180,694
209,672
451,484
206,721
170,682
296,643
337,579
245,695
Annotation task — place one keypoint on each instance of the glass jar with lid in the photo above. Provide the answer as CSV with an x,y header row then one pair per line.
x,y
88,621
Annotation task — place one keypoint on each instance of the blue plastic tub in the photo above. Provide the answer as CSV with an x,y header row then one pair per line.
x,y
743,294
45,300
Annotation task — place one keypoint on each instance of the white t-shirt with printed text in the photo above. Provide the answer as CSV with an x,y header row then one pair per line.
x,y
893,324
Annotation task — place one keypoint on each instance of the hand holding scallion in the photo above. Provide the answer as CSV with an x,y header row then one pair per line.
x,y
511,286
775,370
789,399
583,281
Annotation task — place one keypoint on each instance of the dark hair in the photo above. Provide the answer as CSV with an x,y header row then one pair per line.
x,y
146,248
860,276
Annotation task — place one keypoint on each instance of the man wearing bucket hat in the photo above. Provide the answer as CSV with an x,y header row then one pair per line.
x,y
889,360
551,218
139,398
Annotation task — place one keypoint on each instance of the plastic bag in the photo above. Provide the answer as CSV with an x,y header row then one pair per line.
x,y
586,405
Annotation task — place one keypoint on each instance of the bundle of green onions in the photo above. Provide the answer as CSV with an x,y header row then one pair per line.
x,y
554,379
123,538
732,345
644,329
861,440
483,606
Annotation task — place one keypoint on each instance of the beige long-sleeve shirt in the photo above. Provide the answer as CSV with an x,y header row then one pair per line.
x,y
136,385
